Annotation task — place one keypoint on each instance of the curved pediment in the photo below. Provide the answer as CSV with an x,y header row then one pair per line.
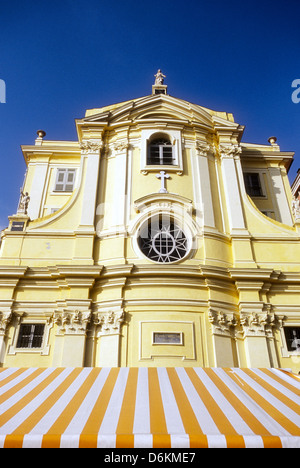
x,y
158,108
161,109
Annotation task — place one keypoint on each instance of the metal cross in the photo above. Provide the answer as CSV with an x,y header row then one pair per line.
x,y
163,175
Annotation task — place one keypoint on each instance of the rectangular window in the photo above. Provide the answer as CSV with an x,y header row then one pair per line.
x,y
252,184
17,226
292,337
167,338
65,179
160,153
30,335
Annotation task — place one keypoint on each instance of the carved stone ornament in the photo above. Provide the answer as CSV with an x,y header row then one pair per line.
x,y
296,208
230,150
204,148
121,147
5,318
91,146
110,322
222,323
71,322
258,324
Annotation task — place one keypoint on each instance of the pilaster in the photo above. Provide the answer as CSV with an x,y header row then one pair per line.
x,y
108,325
70,337
5,319
38,188
90,152
223,326
202,185
231,170
228,154
119,202
281,196
258,324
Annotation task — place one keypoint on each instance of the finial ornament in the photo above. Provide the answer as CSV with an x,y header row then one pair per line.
x,y
272,140
41,133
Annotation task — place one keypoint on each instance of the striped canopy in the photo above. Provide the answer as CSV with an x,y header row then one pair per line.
x,y
148,407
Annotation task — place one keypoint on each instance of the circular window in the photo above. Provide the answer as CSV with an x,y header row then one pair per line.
x,y
162,240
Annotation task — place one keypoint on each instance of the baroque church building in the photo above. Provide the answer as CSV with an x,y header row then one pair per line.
x,y
157,238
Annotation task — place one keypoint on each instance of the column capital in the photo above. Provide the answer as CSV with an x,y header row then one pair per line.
x,y
230,150
91,146
222,323
109,322
5,319
71,322
259,322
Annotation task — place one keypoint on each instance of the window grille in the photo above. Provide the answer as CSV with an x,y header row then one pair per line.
x,y
160,152
30,335
162,240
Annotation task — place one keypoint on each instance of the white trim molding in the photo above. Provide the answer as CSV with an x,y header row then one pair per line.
x,y
175,139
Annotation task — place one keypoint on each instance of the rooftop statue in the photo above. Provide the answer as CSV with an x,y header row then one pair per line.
x,y
159,78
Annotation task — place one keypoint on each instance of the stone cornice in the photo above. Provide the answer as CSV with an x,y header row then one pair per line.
x,y
13,271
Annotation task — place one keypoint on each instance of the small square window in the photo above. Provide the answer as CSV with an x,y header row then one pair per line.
x,y
31,335
65,179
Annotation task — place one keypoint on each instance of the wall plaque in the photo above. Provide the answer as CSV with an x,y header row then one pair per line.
x,y
167,338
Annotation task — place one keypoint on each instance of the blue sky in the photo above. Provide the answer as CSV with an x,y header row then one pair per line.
x,y
59,58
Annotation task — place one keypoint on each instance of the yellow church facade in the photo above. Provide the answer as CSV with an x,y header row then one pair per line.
x,y
157,238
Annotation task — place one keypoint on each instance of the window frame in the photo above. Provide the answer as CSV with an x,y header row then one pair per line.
x,y
150,135
288,347
44,349
31,336
247,175
285,352
161,217
263,193
161,144
65,182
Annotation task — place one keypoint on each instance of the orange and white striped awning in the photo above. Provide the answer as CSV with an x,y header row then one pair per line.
x,y
149,407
